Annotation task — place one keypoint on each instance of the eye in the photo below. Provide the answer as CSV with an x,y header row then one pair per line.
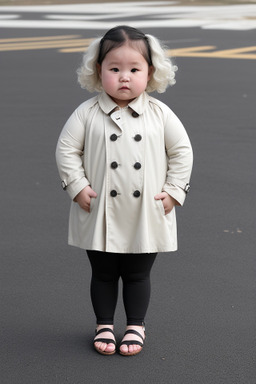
x,y
134,70
114,69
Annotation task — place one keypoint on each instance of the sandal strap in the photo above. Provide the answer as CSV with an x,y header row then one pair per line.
x,y
107,341
132,331
131,342
104,340
103,330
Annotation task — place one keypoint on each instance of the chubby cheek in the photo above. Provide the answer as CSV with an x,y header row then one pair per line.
x,y
108,82
105,77
142,84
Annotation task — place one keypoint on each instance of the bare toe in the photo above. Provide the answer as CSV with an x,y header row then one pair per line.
x,y
132,342
104,341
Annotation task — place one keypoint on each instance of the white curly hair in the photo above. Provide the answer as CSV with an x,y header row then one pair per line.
x,y
163,68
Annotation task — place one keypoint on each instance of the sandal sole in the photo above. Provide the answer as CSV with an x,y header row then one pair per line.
x,y
105,353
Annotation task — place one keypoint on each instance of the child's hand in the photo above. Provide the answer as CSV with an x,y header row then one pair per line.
x,y
84,198
168,201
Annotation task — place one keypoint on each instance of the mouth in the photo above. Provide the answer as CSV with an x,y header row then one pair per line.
x,y
124,88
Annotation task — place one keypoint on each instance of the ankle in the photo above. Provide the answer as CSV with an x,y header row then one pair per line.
x,y
136,326
101,326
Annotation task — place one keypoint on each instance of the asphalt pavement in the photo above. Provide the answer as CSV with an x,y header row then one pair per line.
x,y
201,325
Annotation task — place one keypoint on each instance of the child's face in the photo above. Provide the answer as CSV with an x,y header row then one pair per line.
x,y
124,74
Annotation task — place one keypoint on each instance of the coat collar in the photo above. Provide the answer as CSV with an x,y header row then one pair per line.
x,y
138,105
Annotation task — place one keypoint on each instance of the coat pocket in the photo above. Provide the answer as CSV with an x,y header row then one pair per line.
x,y
160,207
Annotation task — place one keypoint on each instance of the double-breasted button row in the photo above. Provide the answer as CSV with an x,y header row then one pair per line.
x,y
137,165
114,137
114,193
114,165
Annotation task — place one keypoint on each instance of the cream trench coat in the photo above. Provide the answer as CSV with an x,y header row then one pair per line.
x,y
127,156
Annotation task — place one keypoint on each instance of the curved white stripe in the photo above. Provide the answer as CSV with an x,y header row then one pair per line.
x,y
9,17
151,15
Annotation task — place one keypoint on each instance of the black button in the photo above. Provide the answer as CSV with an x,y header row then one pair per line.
x,y
113,137
114,165
136,193
137,137
137,165
113,193
135,114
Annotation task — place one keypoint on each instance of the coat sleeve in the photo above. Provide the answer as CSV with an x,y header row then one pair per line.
x,y
179,158
69,155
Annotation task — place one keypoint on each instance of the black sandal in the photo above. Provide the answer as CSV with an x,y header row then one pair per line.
x,y
132,342
107,341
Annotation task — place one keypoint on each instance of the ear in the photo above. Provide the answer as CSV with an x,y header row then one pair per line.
x,y
150,71
98,66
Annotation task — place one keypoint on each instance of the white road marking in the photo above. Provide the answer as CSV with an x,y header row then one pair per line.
x,y
148,15
8,17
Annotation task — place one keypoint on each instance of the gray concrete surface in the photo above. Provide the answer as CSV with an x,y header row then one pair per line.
x,y
201,321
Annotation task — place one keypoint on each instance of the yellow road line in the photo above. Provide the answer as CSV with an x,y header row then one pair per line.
x,y
20,39
71,50
171,52
237,53
191,49
74,43
45,45
237,50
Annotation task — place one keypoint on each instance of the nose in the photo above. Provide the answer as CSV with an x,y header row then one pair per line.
x,y
124,77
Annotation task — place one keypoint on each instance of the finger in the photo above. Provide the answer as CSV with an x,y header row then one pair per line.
x,y
85,205
169,209
160,196
93,194
90,192
87,208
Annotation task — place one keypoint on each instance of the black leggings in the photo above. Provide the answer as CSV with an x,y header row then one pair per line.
x,y
134,270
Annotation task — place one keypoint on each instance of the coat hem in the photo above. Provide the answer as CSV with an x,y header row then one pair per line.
x,y
111,250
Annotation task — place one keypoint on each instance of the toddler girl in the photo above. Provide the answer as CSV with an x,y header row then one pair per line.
x,y
125,160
